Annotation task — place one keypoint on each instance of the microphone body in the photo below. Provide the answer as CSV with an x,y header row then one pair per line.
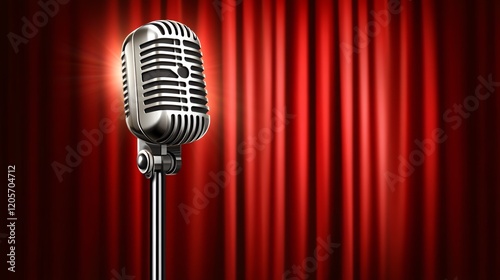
x,y
165,103
164,88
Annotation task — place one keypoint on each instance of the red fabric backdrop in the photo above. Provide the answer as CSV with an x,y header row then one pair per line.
x,y
313,140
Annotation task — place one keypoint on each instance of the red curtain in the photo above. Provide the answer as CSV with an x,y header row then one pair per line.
x,y
348,140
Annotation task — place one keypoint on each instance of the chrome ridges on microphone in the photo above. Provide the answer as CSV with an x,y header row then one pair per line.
x,y
165,95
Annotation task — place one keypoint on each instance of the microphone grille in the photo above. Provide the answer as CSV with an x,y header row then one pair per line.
x,y
167,92
125,85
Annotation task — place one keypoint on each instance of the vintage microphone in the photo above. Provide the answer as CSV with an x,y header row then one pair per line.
x,y
165,106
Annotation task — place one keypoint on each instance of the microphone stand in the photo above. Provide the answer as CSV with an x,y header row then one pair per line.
x,y
155,161
157,219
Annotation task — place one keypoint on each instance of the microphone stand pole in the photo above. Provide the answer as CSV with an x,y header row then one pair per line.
x,y
154,161
157,218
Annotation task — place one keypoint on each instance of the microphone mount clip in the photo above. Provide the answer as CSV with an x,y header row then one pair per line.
x,y
153,158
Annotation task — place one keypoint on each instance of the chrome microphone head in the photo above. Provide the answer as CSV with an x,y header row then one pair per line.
x,y
163,84
164,91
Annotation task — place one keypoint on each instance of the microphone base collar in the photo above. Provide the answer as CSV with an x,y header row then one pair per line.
x,y
158,158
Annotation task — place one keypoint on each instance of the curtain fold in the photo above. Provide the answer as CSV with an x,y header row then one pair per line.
x,y
348,140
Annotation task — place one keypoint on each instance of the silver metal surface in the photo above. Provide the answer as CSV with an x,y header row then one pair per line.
x,y
158,226
159,157
163,83
165,106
